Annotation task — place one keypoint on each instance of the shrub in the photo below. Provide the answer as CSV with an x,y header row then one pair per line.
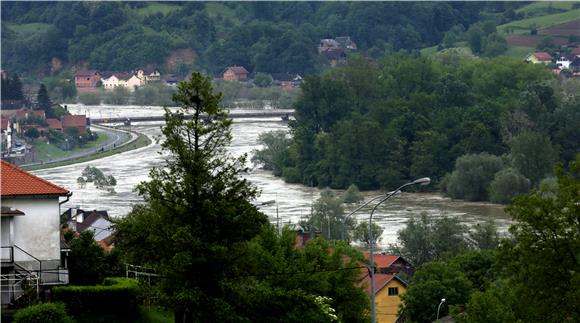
x,y
506,184
117,296
43,313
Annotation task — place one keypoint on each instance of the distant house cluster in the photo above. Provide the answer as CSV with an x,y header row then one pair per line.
x,y
563,65
241,74
335,49
15,123
91,79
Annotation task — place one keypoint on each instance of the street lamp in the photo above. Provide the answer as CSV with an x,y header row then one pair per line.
x,y
66,142
439,307
420,181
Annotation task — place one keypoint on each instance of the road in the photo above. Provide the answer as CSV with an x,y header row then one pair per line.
x,y
116,138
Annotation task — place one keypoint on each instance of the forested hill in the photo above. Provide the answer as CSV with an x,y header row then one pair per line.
x,y
48,37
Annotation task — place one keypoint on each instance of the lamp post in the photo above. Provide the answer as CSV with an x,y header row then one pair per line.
x,y
420,181
66,141
439,307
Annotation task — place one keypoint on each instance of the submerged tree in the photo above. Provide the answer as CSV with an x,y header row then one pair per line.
x,y
197,212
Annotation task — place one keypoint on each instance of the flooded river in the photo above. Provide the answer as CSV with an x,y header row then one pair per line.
x,y
293,201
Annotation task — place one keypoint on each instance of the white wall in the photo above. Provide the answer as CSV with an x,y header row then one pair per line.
x,y
38,231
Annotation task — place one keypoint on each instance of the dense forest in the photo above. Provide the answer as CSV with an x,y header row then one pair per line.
x,y
482,128
44,38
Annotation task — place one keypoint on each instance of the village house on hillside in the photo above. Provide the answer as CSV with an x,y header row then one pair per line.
x,y
121,79
538,58
286,80
147,75
236,73
30,227
75,121
343,42
87,79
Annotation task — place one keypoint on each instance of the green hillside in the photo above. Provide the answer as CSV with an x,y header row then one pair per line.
x,y
525,25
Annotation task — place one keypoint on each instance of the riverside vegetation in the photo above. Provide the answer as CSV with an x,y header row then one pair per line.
x,y
483,129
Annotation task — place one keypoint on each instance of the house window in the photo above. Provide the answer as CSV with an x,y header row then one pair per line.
x,y
393,291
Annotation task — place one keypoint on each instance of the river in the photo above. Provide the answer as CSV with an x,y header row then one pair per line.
x,y
293,201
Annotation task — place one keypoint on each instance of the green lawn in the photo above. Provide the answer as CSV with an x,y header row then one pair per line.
x,y
523,26
155,7
543,6
141,141
26,30
47,152
518,52
153,314
428,51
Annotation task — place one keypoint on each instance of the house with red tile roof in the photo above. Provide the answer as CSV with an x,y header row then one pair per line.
x,y
87,79
388,289
392,264
54,124
30,227
538,58
76,121
236,73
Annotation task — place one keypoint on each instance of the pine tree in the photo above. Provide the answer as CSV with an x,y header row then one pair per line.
x,y
197,213
44,100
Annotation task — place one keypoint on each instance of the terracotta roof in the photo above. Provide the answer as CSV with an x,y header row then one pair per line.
x,y
9,211
54,123
16,181
383,261
542,56
381,280
238,69
74,120
86,73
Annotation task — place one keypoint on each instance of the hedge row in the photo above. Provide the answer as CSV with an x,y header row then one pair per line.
x,y
43,313
117,296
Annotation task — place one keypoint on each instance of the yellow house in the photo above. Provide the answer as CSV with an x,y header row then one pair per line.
x,y
538,58
388,289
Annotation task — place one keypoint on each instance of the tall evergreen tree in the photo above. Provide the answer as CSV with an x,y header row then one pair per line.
x,y
43,100
197,213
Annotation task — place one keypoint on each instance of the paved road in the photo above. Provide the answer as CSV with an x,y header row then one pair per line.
x,y
116,138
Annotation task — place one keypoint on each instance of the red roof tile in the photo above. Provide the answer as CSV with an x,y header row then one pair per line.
x,y
74,120
15,181
381,280
383,261
86,73
543,56
238,69
54,123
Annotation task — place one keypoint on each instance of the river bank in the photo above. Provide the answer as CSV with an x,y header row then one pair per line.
x,y
136,140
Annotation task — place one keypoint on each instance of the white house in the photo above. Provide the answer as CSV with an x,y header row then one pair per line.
x,y
563,63
126,80
30,231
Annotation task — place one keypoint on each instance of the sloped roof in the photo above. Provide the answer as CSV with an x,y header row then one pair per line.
x,y
542,56
86,73
54,123
74,120
383,261
17,182
238,69
381,280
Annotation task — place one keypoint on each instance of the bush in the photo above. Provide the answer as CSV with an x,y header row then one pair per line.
x,y
116,296
90,98
506,184
43,313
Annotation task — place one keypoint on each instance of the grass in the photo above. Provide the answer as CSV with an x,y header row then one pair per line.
x,y
523,26
47,152
155,315
156,7
141,141
428,51
543,6
26,30
518,52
